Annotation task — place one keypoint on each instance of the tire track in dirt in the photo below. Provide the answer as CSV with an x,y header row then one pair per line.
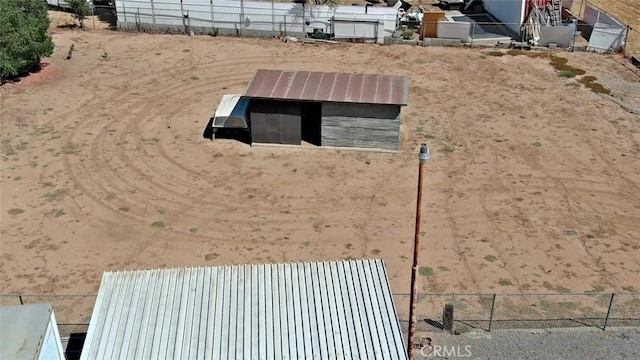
x,y
72,168
157,184
605,276
380,190
484,191
458,168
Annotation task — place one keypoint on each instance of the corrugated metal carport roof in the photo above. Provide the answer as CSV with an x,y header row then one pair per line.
x,y
334,87
328,310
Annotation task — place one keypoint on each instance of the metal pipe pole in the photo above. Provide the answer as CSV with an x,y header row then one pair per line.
x,y
493,306
423,157
606,319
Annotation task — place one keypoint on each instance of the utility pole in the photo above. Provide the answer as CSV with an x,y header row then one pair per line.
x,y
423,157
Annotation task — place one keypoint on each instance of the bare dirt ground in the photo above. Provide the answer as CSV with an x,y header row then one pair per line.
x,y
534,184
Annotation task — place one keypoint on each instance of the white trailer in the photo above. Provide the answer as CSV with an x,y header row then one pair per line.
x,y
29,332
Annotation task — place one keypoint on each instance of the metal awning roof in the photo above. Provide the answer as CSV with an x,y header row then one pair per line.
x,y
327,310
329,87
231,112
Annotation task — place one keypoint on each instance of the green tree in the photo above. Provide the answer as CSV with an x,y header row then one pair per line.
x,y
23,37
81,10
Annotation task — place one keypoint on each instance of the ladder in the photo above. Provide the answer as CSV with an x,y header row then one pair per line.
x,y
556,13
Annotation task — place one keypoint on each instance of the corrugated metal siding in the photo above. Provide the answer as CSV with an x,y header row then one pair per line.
x,y
328,310
333,87
364,126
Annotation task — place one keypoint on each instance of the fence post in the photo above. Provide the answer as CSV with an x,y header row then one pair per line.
x,y
575,32
304,21
242,17
626,39
473,32
124,12
606,319
93,16
153,15
213,23
273,20
493,305
20,297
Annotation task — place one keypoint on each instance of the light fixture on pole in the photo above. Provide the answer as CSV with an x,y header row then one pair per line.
x,y
423,156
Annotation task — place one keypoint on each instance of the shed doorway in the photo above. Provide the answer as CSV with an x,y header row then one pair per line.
x,y
311,123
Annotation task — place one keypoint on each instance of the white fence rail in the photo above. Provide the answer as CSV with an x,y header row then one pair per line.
x,y
254,18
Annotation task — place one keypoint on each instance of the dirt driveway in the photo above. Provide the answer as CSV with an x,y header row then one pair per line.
x,y
534,184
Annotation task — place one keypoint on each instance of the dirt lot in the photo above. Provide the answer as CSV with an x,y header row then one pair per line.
x,y
534,184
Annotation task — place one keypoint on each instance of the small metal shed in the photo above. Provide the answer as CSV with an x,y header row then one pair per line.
x,y
322,310
327,109
29,332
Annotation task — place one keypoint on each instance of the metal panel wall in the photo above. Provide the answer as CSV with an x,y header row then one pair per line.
x,y
276,122
608,34
454,30
367,27
51,346
361,125
510,12
559,35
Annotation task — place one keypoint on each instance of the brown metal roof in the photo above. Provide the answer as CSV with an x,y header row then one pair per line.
x,y
334,87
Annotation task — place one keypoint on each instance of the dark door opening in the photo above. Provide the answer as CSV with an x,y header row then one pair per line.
x,y
312,123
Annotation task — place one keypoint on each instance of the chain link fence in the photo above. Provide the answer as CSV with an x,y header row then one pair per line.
x,y
456,313
520,311
470,311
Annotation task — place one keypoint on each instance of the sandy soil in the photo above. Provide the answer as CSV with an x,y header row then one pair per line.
x,y
65,20
534,184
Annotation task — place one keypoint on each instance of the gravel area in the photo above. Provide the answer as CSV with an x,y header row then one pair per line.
x,y
622,343
626,93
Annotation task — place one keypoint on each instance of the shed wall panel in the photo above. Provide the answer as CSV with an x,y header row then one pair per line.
x,y
276,122
361,110
357,125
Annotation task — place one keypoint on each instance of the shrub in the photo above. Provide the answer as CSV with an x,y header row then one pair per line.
x,y
81,10
23,37
408,34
